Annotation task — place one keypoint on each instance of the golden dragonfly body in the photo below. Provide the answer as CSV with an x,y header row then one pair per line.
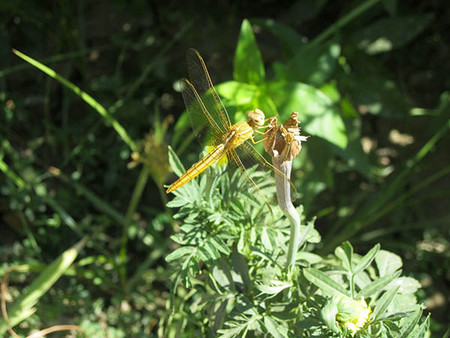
x,y
238,133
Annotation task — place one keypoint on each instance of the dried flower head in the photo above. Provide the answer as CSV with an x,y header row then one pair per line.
x,y
283,141
152,152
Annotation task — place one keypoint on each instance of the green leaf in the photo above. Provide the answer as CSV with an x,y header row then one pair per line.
x,y
331,91
221,313
175,163
422,329
307,233
222,274
387,262
347,108
289,39
319,177
266,104
184,196
240,268
390,6
390,33
383,303
403,302
303,11
273,328
283,311
345,254
309,257
410,323
362,279
239,93
265,240
367,259
273,287
22,307
231,332
378,284
211,250
376,94
220,245
314,65
406,284
325,283
329,313
354,154
318,115
248,63
180,252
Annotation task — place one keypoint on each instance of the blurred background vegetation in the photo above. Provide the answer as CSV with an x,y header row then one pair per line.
x,y
382,178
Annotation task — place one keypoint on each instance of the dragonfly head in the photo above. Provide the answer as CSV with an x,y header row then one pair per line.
x,y
256,117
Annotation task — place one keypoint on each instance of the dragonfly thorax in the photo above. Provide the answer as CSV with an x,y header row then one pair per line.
x,y
238,134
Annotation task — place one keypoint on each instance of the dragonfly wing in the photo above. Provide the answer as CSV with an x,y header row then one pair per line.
x,y
203,123
202,83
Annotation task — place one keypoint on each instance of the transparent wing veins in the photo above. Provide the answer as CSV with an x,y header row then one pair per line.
x,y
200,78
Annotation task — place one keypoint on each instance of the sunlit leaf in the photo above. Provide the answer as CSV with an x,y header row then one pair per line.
x,y
273,287
274,328
22,307
325,283
239,93
411,323
421,330
387,262
317,114
175,163
180,252
406,284
383,303
367,259
378,284
248,63
345,253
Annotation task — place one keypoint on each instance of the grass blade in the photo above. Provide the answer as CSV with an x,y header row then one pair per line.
x,y
84,96
22,307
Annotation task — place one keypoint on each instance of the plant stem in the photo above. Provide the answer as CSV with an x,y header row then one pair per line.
x,y
285,202
343,21
163,195
135,198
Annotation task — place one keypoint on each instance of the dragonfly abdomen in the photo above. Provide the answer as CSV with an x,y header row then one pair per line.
x,y
199,167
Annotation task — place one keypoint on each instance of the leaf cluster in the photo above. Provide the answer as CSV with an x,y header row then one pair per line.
x,y
229,272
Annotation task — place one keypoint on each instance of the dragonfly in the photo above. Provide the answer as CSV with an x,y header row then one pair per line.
x,y
211,122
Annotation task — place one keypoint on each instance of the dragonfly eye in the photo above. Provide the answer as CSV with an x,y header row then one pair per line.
x,y
256,116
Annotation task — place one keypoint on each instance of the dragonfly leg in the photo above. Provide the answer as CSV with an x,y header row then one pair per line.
x,y
256,142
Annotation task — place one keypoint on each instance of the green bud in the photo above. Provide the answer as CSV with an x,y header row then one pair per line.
x,y
343,313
